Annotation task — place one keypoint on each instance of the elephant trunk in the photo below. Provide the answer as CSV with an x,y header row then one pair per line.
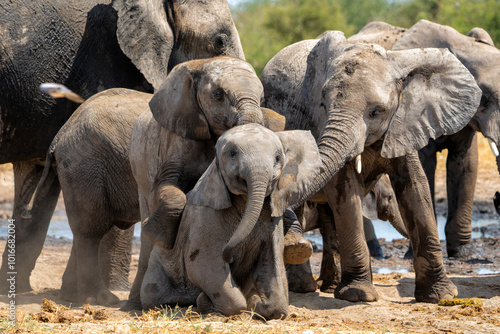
x,y
341,141
256,186
397,222
250,112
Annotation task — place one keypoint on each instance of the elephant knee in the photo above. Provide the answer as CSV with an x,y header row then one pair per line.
x,y
169,199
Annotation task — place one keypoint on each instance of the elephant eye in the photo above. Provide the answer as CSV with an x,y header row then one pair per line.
x,y
232,153
389,198
376,111
220,44
277,159
219,95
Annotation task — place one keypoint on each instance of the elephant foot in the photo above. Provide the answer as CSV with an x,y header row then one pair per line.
x,y
375,249
356,292
465,251
20,286
297,249
161,233
68,293
103,297
300,278
433,292
131,305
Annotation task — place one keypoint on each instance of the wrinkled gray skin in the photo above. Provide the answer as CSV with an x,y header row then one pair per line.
x,y
229,251
172,144
477,52
379,203
99,190
359,98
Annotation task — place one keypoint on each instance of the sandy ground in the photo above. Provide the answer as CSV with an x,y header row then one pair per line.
x,y
317,312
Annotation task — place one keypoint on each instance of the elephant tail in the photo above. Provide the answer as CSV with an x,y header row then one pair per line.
x,y
28,208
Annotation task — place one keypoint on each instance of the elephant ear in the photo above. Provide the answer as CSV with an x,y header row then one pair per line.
x,y
439,97
481,35
303,163
370,206
272,120
175,107
145,36
210,190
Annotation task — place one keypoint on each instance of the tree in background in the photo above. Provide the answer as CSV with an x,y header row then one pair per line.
x,y
267,26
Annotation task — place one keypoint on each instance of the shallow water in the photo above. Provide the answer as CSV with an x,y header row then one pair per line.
x,y
59,227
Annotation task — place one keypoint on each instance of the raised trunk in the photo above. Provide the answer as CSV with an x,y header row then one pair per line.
x,y
337,145
256,186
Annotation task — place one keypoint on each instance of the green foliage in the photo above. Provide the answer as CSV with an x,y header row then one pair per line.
x,y
267,26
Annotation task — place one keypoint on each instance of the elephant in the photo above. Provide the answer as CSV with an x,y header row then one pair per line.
x,y
90,47
379,203
229,251
478,54
96,139
360,98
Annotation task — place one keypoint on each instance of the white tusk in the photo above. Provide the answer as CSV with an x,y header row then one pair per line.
x,y
493,147
357,162
58,91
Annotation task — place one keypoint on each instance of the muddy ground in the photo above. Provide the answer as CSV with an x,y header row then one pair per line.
x,y
396,311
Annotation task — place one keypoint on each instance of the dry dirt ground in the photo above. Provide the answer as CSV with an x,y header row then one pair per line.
x,y
317,312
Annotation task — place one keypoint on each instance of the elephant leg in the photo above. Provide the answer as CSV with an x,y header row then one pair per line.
x,y
330,274
30,232
134,298
162,226
371,239
91,287
69,279
297,248
270,298
115,255
300,277
345,193
461,176
415,206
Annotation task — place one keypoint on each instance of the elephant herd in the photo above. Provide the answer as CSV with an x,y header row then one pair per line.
x,y
224,169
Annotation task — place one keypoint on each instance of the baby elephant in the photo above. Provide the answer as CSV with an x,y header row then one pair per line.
x,y
228,256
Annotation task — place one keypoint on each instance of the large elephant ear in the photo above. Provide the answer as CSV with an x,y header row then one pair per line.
x,y
370,206
145,36
210,190
175,107
303,163
481,35
439,97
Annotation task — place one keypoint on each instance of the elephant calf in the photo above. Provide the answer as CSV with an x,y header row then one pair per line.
x,y
229,251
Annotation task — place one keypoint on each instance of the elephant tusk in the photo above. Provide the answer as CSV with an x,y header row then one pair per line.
x,y
493,147
58,91
357,162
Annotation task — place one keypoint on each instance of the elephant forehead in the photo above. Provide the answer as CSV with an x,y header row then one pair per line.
x,y
256,135
219,66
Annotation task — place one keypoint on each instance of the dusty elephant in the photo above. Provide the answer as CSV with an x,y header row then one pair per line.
x,y
91,149
479,55
229,251
359,98
379,203
89,46
172,144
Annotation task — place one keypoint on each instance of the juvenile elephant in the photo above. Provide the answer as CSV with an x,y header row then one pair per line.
x,y
91,156
478,54
229,251
359,98
379,203
90,46
172,144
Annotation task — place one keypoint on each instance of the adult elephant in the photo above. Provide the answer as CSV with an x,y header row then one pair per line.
x,y
359,98
478,54
89,46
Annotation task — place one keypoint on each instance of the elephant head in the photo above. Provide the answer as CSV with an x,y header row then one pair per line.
x,y
478,54
252,160
157,35
352,95
202,98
